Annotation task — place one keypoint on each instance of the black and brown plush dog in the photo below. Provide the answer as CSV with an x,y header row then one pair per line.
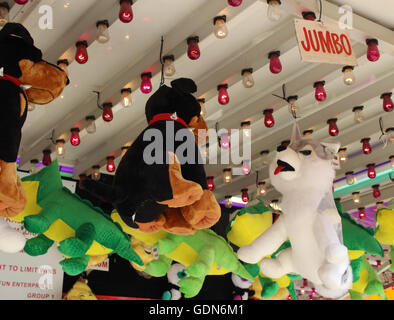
x,y
24,77
170,192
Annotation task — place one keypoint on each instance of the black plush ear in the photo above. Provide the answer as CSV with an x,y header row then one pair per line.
x,y
16,30
184,85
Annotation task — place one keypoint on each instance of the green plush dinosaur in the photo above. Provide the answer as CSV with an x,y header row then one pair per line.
x,y
204,253
81,230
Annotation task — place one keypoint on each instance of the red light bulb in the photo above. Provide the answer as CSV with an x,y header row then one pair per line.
x,y
75,140
332,127
126,12
234,3
193,51
371,171
111,164
81,55
289,297
320,92
245,195
269,118
373,50
108,115
146,83
378,263
388,105
305,284
309,15
210,183
361,213
367,149
223,96
246,167
376,191
46,160
21,2
275,65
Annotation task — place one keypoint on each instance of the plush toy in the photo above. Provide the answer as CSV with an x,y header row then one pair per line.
x,y
241,287
203,253
303,172
385,224
24,77
160,181
81,230
80,291
176,273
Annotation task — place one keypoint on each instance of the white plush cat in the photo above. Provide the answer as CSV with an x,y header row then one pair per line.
x,y
11,241
304,174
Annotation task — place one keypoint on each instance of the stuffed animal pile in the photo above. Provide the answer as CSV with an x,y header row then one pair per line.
x,y
24,78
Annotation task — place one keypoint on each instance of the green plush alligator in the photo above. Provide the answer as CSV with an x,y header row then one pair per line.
x,y
81,230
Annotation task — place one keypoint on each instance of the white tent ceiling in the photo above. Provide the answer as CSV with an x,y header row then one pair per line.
x,y
134,48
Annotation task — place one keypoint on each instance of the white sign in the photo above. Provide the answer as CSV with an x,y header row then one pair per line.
x,y
103,266
324,43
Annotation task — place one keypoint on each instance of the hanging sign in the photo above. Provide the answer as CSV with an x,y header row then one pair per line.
x,y
325,43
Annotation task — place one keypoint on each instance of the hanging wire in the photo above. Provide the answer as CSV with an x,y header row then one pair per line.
x,y
321,10
257,178
98,100
383,138
284,97
162,62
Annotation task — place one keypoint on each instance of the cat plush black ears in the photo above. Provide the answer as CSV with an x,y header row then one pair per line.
x,y
184,85
16,30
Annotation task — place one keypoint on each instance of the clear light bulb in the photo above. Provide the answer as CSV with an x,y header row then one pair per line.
x,y
350,178
4,13
264,157
33,168
342,155
60,149
102,34
292,100
126,99
246,129
348,75
96,175
169,65
358,114
220,27
390,134
228,202
261,189
356,197
203,112
274,12
247,78
227,176
90,124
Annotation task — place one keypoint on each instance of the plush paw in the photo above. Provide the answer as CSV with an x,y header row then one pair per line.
x,y
190,286
73,247
331,276
247,254
36,224
74,266
11,241
37,246
336,253
197,270
204,213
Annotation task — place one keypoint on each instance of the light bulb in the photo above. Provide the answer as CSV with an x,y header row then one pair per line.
x,y
203,109
63,64
390,134
308,133
358,114
245,195
210,183
350,179
379,204
247,78
264,157
356,197
108,115
90,124
146,83
227,176
31,107
366,146
96,175
102,34
33,168
75,139
169,65
269,118
275,205
111,164
373,53
342,155
292,104
261,190
247,131
371,171
81,56
348,75
388,105
275,64
246,167
332,127
4,13
361,213
309,15
21,2
234,3
320,92
223,96
220,27
392,161
60,149
376,191
274,11
228,202
126,99
46,159
193,51
126,11
225,140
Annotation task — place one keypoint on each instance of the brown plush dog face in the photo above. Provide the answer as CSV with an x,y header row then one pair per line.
x,y
200,130
47,81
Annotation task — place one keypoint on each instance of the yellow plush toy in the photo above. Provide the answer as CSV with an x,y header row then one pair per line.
x,y
80,291
385,224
